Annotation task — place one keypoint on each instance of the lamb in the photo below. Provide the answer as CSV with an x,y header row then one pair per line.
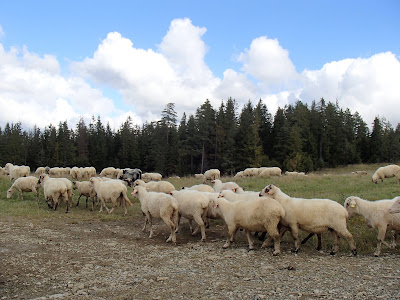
x,y
156,186
53,190
25,184
146,177
211,174
377,215
200,188
218,185
386,172
111,191
192,205
256,214
17,171
312,215
85,189
158,205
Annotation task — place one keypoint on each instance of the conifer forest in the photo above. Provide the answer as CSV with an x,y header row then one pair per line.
x,y
299,137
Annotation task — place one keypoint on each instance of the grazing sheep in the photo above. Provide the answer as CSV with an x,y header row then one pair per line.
x,y
192,205
377,215
40,170
146,177
76,173
109,172
25,184
158,205
17,171
111,191
273,171
200,188
198,176
255,214
53,190
386,172
250,172
211,174
239,174
218,185
156,186
3,172
85,189
312,215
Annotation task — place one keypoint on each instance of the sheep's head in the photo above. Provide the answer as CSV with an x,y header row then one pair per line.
x,y
269,190
395,208
350,204
9,193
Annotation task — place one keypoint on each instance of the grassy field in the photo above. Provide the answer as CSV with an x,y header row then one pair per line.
x,y
336,184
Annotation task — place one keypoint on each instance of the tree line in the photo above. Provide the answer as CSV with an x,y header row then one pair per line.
x,y
299,137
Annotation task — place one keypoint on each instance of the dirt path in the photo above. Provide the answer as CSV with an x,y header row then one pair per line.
x,y
52,259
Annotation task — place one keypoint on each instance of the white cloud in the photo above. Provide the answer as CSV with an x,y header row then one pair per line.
x,y
2,33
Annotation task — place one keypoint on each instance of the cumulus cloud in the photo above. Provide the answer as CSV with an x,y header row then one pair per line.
x,y
33,91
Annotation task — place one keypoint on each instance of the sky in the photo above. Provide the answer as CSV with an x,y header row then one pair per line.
x,y
66,60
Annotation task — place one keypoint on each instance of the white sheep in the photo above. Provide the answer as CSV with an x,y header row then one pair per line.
x,y
250,172
40,170
53,190
239,174
198,176
111,191
76,173
232,196
110,172
3,172
272,171
158,205
146,177
192,205
218,185
17,171
69,185
25,184
312,215
255,214
211,175
156,186
84,188
376,214
200,188
386,172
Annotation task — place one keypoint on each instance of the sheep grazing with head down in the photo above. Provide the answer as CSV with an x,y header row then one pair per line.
x,y
386,172
158,205
147,177
17,171
211,174
85,189
254,214
312,215
111,191
156,186
54,190
25,184
377,215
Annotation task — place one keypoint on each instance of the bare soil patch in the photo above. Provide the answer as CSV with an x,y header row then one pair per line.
x,y
62,258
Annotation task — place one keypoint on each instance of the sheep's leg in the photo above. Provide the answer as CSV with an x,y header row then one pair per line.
x,y
232,231
250,240
178,221
151,226
200,222
394,237
171,225
294,230
145,223
335,246
307,238
381,240
87,199
77,203
276,236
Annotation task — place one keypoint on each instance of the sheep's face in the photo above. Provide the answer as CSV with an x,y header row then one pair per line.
x,y
395,208
269,190
9,193
351,206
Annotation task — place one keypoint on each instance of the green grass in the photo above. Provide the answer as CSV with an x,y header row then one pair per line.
x,y
336,184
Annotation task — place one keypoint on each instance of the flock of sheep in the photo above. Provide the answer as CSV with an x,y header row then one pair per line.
x,y
269,211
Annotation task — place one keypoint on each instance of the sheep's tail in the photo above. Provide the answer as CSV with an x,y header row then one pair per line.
x,y
125,196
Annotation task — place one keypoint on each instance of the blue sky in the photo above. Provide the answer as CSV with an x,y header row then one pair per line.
x,y
345,50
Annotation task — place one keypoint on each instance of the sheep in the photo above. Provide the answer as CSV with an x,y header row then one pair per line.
x,y
85,189
273,171
395,208
17,171
211,174
255,214
250,172
56,171
88,172
126,183
239,174
377,215
110,191
294,173
69,186
232,196
200,188
198,176
156,186
40,170
386,172
192,205
53,189
25,184
76,173
130,175
110,172
158,205
359,173
312,215
218,185
146,177
3,172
